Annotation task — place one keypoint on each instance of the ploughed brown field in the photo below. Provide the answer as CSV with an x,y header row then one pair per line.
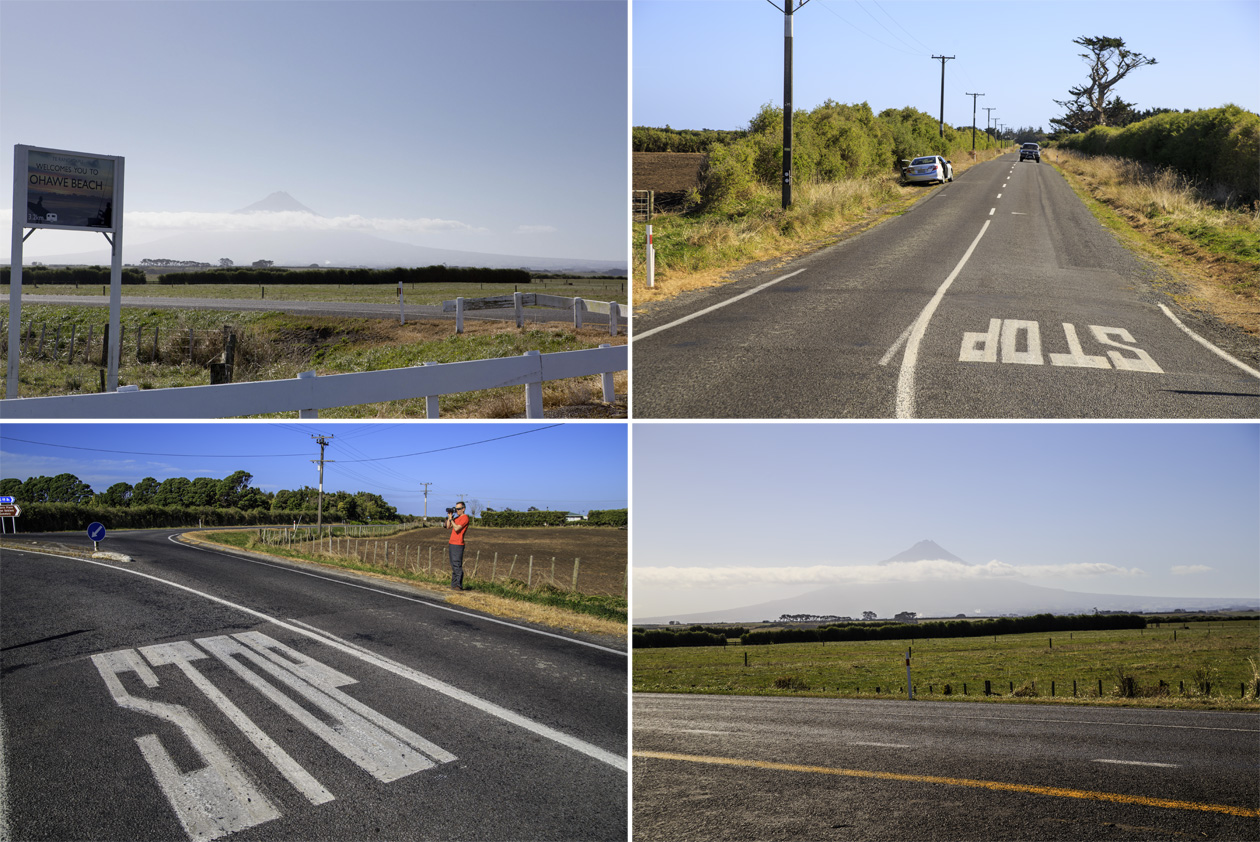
x,y
602,553
667,172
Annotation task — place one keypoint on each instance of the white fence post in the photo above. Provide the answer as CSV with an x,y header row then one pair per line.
x,y
607,378
307,413
518,305
533,391
402,316
578,306
614,313
431,403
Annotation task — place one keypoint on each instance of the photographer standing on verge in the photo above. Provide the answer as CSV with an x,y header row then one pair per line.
x,y
457,522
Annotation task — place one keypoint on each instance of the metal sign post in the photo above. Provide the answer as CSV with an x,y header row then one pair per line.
x,y
70,191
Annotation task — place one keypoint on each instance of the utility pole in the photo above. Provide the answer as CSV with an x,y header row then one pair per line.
x,y
943,60
322,441
987,117
426,499
787,96
973,119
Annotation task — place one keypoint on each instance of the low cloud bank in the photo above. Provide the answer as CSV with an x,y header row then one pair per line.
x,y
288,221
911,571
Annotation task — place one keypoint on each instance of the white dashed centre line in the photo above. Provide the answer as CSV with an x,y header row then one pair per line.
x,y
991,210
1139,763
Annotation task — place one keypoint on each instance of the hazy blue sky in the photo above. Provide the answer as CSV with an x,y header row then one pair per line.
x,y
486,125
570,467
1151,509
713,63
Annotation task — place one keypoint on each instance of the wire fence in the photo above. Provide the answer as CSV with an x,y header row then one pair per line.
x,y
147,343
367,547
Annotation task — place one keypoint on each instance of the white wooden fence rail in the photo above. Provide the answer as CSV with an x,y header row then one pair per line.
x,y
520,300
307,394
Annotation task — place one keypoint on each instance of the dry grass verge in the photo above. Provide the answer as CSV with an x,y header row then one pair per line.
x,y
1213,250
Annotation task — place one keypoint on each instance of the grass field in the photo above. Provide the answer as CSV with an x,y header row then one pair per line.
x,y
1130,665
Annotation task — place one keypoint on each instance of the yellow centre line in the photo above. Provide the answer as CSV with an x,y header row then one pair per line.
x,y
1058,792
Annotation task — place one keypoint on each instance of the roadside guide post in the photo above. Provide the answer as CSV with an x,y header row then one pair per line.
x,y
402,316
96,532
909,686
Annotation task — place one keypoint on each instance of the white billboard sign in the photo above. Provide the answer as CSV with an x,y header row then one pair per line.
x,y
70,191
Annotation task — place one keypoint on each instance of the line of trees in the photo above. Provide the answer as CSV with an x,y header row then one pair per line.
x,y
232,493
830,143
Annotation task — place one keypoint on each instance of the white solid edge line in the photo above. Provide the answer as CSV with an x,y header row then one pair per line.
x,y
410,674
425,602
645,334
1209,345
905,380
1139,763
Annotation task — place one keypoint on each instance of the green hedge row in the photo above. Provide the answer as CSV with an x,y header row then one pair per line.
x,y
947,628
519,519
661,638
608,517
86,275
73,517
1220,146
416,275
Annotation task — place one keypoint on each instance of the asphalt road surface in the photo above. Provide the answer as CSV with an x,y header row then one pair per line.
x,y
361,310
997,296
739,768
193,694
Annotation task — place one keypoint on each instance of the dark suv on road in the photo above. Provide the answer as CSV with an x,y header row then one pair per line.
x,y
1030,150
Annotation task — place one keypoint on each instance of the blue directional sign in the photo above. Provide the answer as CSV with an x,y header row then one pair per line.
x,y
7,501
96,531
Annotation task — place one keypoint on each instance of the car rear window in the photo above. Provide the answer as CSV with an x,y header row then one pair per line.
x,y
919,161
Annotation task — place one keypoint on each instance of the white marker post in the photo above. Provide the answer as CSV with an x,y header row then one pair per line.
x,y
909,686
402,316
651,259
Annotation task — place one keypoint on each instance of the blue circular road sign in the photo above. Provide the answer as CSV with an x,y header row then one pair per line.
x,y
96,531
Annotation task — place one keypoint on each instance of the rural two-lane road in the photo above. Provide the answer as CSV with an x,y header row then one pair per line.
x,y
997,296
738,768
193,693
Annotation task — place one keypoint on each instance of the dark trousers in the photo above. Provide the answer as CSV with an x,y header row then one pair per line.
x,y
457,565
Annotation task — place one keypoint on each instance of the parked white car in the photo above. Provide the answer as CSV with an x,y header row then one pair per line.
x,y
928,169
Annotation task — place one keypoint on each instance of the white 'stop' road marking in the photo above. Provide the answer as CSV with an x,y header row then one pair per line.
x,y
905,380
1207,344
1139,763
645,334
590,750
172,538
